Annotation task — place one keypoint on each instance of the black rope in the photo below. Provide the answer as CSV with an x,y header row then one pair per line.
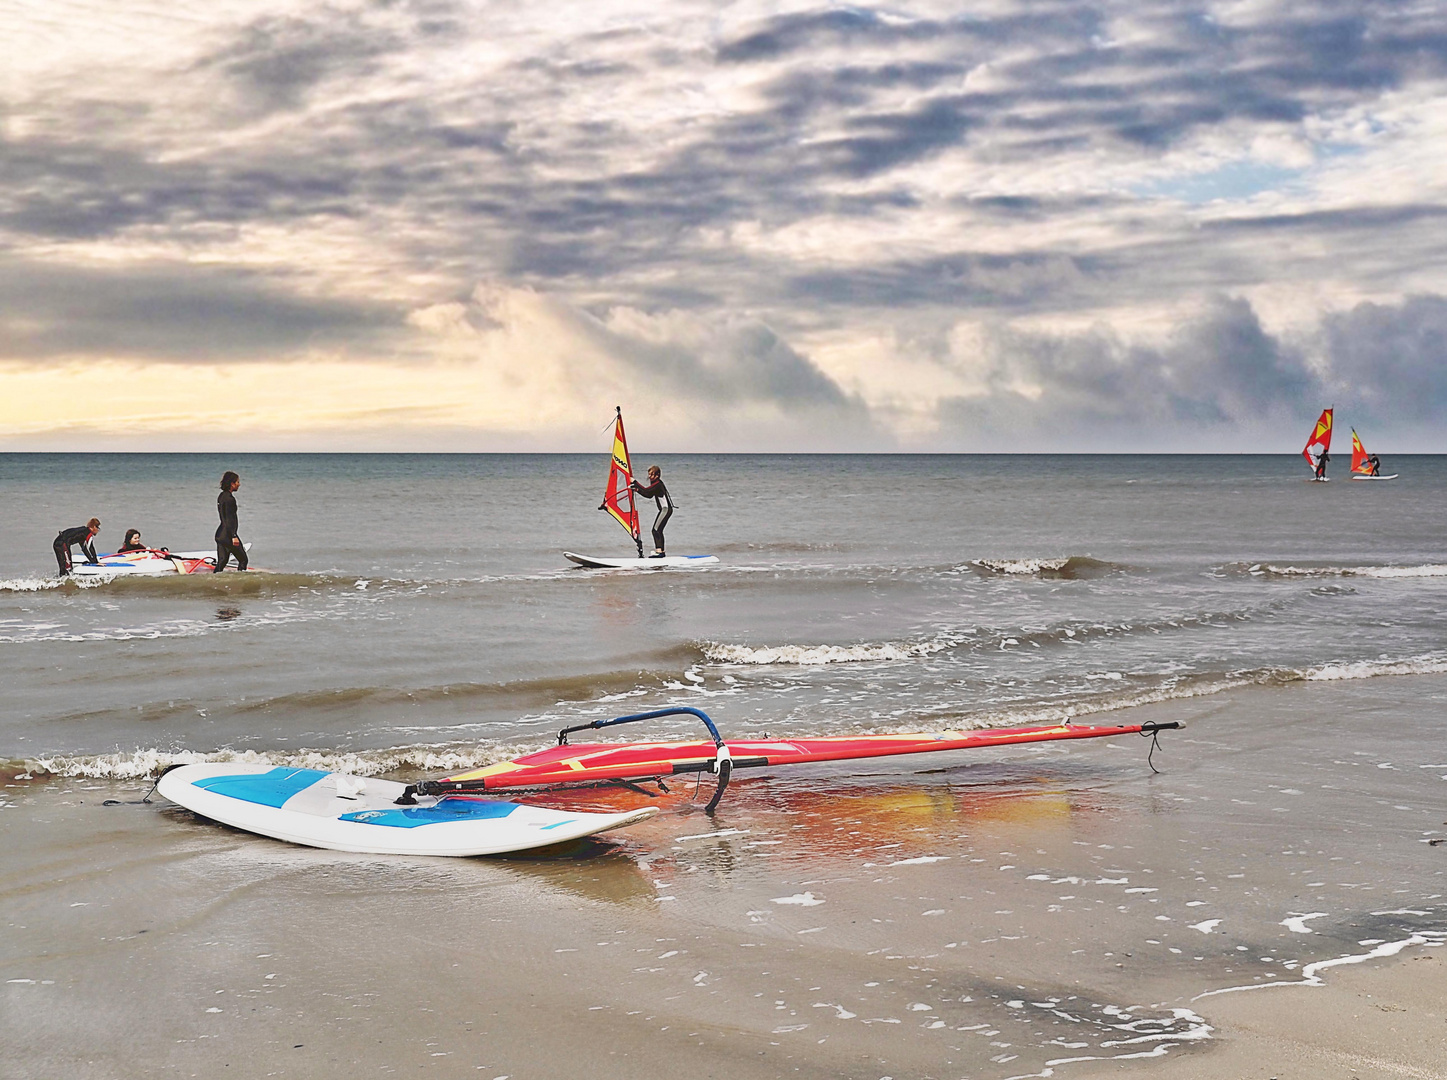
x,y
1153,731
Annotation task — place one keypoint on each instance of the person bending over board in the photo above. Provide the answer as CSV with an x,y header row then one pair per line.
x,y
656,490
227,542
1321,461
84,535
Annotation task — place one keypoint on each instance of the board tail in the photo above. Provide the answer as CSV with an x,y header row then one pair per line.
x,y
1360,465
618,498
1320,441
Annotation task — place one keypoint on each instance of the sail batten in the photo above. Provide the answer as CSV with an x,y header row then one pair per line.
x,y
618,496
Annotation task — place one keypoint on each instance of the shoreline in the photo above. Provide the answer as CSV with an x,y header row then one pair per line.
x,y
941,917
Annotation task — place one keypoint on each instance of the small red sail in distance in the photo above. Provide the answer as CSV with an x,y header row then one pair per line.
x,y
1359,455
1320,441
618,498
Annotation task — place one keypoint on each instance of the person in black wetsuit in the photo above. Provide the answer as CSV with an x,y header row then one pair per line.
x,y
1374,465
656,490
227,542
132,542
1321,461
84,535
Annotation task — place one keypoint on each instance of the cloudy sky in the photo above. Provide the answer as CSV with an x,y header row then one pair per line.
x,y
470,225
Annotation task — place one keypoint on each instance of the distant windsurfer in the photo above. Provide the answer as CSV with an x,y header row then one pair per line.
x,y
227,542
1374,465
83,535
655,490
1321,461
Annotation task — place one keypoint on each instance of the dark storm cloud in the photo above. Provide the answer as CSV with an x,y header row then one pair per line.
x,y
1223,370
176,313
1391,359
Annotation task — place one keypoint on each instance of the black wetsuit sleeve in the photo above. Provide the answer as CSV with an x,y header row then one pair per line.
x,y
226,507
78,535
88,546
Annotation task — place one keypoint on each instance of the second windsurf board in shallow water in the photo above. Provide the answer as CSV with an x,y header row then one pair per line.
x,y
599,563
353,813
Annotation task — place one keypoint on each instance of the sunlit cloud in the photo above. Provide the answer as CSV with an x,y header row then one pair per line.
x,y
436,224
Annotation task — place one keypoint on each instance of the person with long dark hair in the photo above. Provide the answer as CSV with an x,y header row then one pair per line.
x,y
132,542
84,535
227,542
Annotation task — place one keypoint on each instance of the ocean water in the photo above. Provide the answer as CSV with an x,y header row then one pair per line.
x,y
416,610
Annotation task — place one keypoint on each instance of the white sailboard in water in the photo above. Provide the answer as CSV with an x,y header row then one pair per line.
x,y
1363,467
619,503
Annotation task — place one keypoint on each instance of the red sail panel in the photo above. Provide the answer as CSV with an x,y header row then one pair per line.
x,y
1320,441
1359,455
618,498
581,764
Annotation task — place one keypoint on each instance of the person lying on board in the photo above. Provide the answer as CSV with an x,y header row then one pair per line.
x,y
227,542
656,490
132,542
1321,461
84,535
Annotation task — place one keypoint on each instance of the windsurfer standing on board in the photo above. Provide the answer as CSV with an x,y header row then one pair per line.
x,y
656,490
1321,461
227,542
1374,465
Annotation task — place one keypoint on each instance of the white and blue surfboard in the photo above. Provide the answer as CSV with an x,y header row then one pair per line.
x,y
354,813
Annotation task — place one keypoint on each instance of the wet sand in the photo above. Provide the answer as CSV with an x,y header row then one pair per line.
x,y
1052,910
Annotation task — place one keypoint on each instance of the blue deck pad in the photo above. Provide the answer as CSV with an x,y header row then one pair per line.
x,y
271,788
446,810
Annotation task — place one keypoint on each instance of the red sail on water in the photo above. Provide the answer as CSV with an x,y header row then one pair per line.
x,y
618,498
1359,455
1320,441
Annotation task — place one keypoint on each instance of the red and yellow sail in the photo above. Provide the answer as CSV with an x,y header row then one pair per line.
x,y
618,498
1359,455
1320,441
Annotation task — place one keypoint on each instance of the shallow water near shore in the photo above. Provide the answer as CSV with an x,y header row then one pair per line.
x,y
1041,910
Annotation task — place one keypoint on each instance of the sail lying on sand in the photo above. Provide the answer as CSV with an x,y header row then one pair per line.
x,y
1320,441
618,498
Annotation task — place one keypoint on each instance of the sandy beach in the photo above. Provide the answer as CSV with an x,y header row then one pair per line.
x,y
1046,911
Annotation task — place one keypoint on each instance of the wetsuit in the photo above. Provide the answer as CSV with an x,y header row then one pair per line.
x,y
1376,466
1321,464
656,490
227,542
81,535
124,548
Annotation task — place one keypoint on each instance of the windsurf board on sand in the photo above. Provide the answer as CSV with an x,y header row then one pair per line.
x,y
639,564
361,814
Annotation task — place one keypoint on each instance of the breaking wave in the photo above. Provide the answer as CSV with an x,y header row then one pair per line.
x,y
1427,570
813,655
1067,568
1126,692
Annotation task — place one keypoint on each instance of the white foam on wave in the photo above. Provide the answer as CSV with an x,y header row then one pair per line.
x,y
42,583
1021,566
1370,669
142,764
813,655
1427,570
